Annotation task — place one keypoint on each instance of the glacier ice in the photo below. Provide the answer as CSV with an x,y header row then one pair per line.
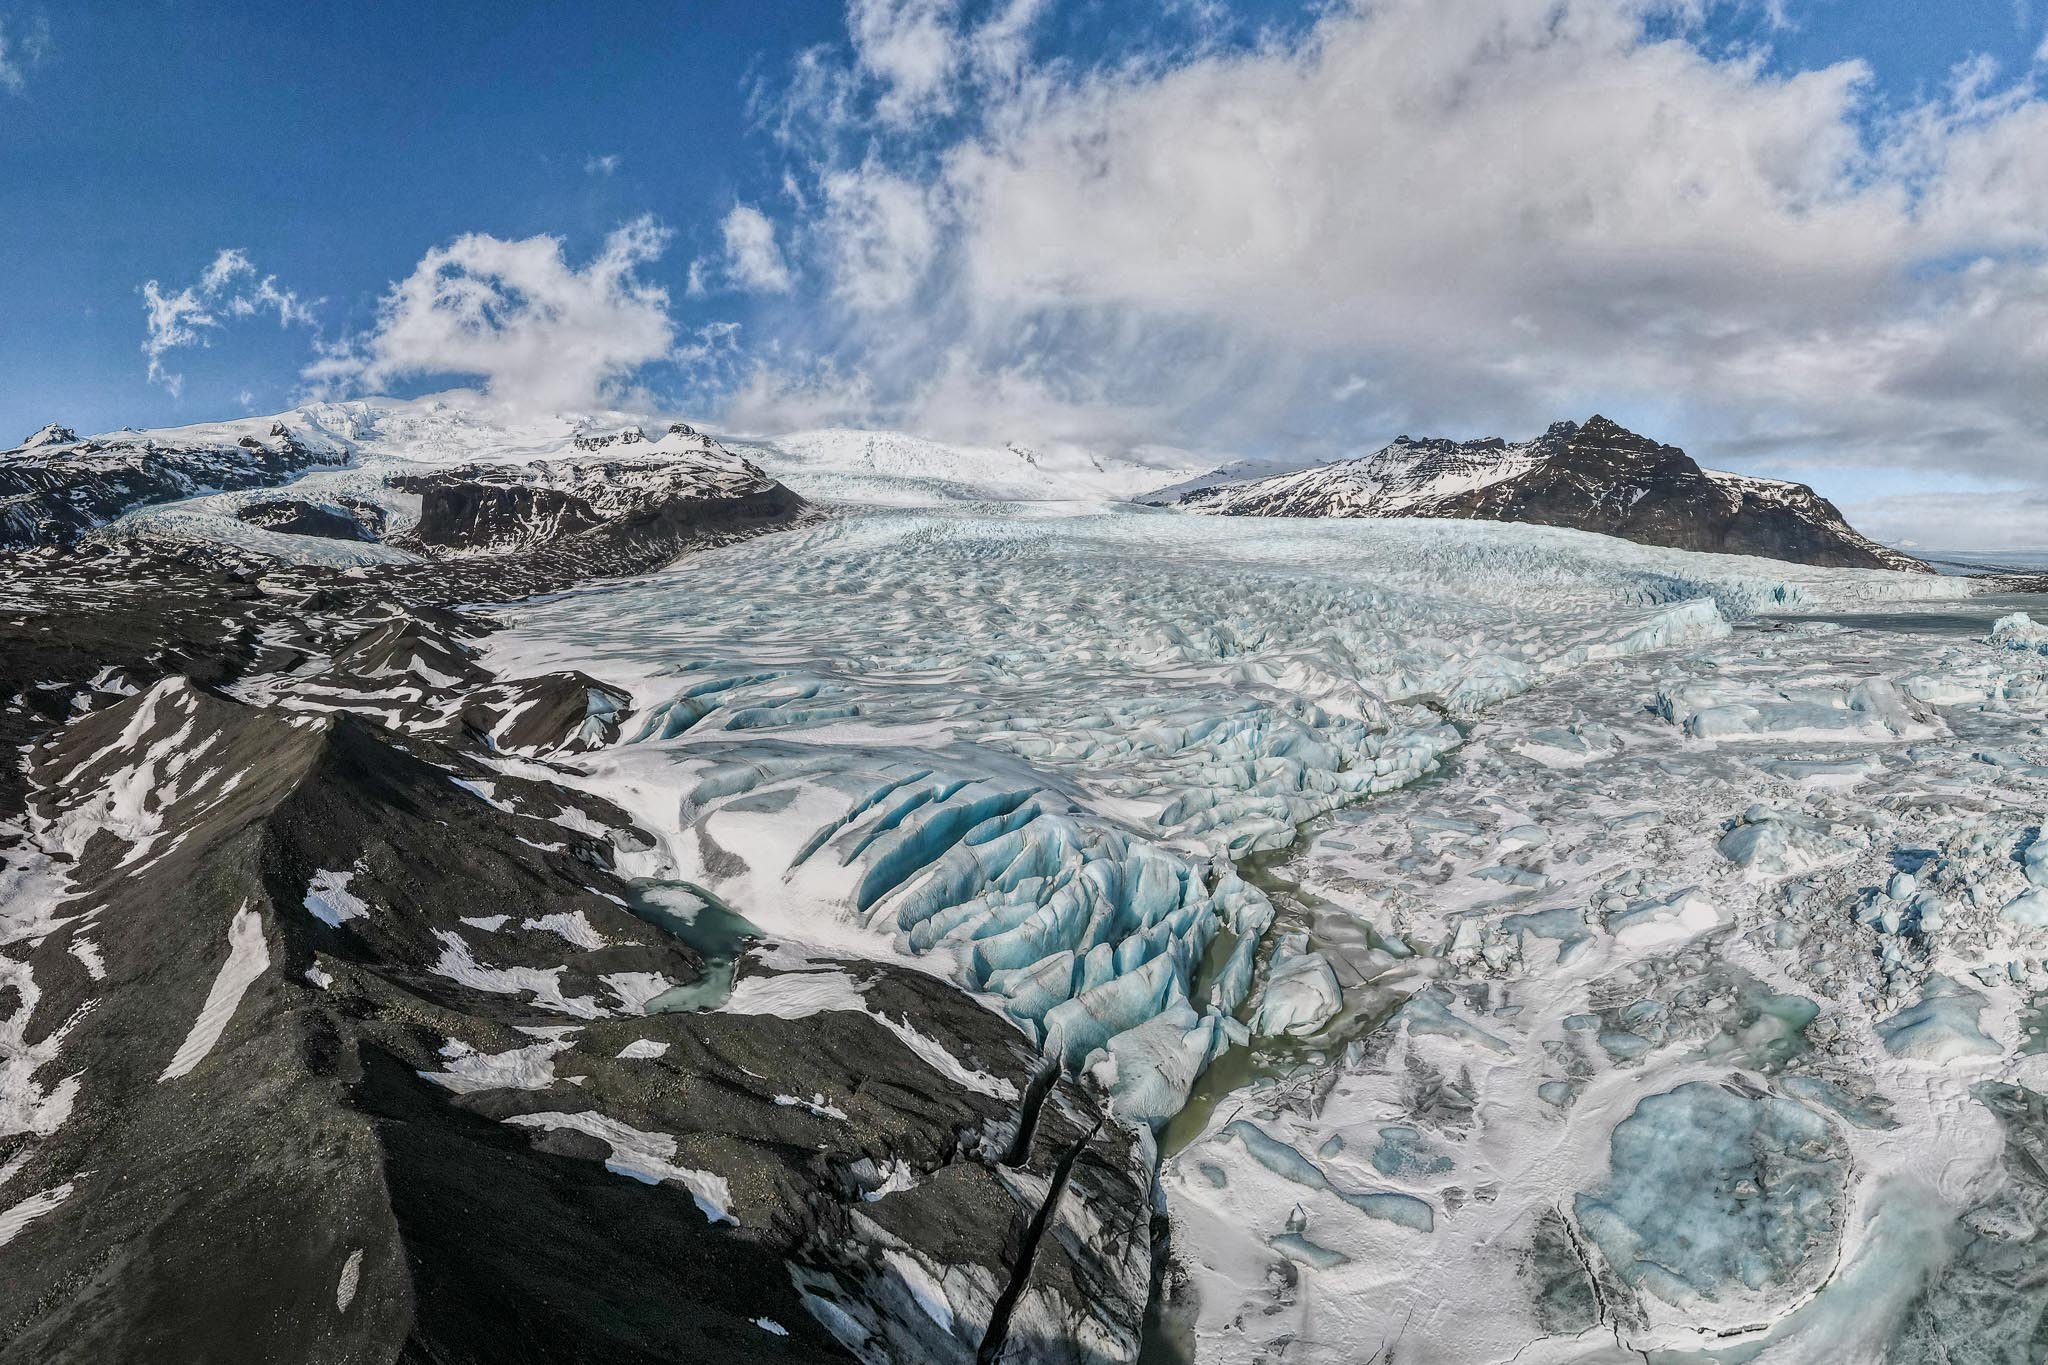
x,y
1301,992
1795,951
1038,751
1031,746
1720,1204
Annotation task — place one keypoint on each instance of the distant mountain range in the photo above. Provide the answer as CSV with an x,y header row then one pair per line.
x,y
1592,476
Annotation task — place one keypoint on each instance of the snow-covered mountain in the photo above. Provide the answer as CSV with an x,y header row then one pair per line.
x,y
359,470
1595,476
384,481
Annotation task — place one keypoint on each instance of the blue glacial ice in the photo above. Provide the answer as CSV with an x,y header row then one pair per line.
x,y
1721,1204
1301,992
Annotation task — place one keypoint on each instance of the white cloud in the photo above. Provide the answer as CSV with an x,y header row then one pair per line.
x,y
999,47
1466,215
21,54
781,397
751,256
601,165
911,48
537,331
228,288
882,236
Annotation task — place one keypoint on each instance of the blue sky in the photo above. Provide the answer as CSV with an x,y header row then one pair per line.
x,y
336,143
1072,219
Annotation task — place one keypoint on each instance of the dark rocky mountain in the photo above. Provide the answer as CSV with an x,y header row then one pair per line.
x,y
342,519
322,1038
54,487
480,509
1595,476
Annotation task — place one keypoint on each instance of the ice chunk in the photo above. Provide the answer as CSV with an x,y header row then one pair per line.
x,y
1942,1027
1301,992
1871,709
1674,919
2020,631
1150,1069
1781,843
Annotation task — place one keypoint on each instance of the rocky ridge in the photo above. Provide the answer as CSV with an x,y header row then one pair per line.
x,y
1595,476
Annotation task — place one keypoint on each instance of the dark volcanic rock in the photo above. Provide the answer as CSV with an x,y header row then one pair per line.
x,y
348,1062
593,501
1596,477
56,488
344,520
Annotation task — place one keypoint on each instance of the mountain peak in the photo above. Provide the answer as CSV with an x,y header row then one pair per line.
x,y
50,434
1597,476
1604,428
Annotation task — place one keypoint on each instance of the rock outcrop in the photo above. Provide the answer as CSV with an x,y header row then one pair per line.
x,y
1592,477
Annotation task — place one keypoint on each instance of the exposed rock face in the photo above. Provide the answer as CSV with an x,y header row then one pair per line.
x,y
344,519
56,488
1592,477
596,502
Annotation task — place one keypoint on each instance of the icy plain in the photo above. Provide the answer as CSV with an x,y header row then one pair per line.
x,y
1683,944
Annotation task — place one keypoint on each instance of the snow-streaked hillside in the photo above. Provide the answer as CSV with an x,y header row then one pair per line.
x,y
364,460
1594,476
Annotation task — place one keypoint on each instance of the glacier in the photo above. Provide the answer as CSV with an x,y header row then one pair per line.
x,y
1027,746
1485,915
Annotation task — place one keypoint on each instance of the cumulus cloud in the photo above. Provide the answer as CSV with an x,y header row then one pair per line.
x,y
23,48
601,165
537,331
229,288
1466,215
751,256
